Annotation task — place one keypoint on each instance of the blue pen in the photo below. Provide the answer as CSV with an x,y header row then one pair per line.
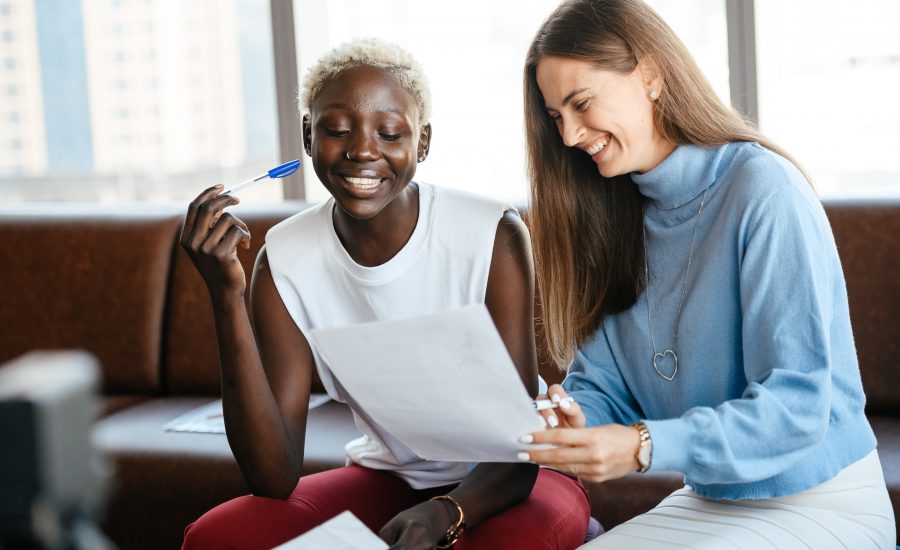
x,y
282,171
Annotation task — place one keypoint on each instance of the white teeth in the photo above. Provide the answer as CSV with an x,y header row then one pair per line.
x,y
596,148
363,182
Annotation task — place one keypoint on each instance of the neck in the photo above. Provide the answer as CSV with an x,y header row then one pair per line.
x,y
660,150
374,241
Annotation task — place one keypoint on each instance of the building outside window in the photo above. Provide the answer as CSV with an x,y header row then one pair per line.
x,y
112,110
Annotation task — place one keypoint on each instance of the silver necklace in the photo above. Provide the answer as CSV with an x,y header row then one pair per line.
x,y
657,355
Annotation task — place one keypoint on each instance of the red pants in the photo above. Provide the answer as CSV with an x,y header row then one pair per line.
x,y
555,515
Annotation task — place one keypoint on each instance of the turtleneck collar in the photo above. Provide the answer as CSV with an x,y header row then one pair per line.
x,y
680,177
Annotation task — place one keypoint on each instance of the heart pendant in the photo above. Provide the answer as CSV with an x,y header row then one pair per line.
x,y
662,355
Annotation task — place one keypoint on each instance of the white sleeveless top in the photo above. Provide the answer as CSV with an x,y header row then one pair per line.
x,y
444,266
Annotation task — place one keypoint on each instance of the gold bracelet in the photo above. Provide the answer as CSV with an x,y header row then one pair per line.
x,y
454,531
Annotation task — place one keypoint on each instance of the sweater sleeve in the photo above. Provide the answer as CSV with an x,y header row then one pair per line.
x,y
595,382
787,266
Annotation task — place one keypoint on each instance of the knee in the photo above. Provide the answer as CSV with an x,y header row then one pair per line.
x,y
205,533
218,528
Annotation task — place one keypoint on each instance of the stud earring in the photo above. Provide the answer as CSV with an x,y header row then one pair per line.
x,y
422,158
654,95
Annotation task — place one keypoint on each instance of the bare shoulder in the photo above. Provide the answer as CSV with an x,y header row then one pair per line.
x,y
512,267
512,237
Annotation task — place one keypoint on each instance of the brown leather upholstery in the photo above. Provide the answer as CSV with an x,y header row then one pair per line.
x,y
81,278
868,241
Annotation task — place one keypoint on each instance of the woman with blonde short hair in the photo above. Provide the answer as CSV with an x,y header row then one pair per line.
x,y
383,247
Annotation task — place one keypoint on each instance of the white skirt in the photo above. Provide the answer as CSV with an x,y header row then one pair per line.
x,y
849,512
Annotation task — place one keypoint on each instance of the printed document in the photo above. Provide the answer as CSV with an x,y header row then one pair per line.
x,y
443,384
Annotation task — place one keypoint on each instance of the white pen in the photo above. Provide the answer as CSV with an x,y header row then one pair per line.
x,y
544,404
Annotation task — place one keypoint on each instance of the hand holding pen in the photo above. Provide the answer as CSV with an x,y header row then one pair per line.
x,y
211,236
559,409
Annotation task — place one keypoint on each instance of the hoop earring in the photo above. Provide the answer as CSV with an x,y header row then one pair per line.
x,y
347,155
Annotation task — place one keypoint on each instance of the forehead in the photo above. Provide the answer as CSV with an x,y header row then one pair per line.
x,y
366,89
558,77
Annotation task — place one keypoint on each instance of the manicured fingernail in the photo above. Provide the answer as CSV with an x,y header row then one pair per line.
x,y
552,421
527,438
218,186
555,398
523,456
565,404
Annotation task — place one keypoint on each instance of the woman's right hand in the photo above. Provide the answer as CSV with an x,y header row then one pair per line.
x,y
567,415
211,238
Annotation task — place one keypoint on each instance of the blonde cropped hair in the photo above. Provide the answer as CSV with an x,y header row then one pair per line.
x,y
372,52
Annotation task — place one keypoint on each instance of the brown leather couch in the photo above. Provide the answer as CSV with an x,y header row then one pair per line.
x,y
114,281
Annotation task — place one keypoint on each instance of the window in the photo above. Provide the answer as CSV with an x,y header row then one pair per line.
x,y
114,110
473,52
184,95
828,75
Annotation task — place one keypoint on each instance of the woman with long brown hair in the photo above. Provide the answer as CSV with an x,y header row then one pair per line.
x,y
691,285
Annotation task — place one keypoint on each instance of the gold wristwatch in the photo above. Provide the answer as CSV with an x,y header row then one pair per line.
x,y
645,452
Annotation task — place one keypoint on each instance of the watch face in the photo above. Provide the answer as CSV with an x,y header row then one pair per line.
x,y
644,455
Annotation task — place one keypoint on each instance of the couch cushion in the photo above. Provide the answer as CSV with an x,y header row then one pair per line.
x,y
74,277
868,241
192,359
165,480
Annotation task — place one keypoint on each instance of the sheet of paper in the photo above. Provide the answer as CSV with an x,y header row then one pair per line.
x,y
342,532
444,384
208,418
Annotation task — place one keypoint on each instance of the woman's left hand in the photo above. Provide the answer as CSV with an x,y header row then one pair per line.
x,y
592,454
419,527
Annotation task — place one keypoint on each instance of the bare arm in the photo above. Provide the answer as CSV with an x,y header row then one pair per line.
x,y
266,368
265,389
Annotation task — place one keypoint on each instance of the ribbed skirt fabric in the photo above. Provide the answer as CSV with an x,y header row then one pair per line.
x,y
852,511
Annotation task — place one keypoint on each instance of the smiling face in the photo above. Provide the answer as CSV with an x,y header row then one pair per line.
x,y
364,136
606,114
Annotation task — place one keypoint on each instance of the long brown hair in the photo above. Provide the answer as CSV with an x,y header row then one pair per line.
x,y
587,229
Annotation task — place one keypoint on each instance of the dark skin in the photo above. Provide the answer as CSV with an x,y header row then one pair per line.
x,y
363,124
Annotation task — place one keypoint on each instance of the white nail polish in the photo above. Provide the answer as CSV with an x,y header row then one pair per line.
x,y
523,456
565,404
555,398
527,438
552,420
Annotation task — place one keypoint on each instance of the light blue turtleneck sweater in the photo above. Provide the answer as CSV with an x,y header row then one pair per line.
x,y
767,400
